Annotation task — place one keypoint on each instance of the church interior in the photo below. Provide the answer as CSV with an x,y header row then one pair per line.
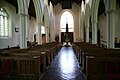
x,y
59,40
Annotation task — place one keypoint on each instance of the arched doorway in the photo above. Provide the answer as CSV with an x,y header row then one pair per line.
x,y
67,21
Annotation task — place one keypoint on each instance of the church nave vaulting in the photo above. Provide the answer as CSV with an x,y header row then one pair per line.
x,y
39,36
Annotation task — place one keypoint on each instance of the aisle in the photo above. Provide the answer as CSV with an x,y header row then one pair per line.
x,y
64,67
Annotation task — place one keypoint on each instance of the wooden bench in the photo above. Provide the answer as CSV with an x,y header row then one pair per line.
x,y
46,53
97,68
24,68
92,50
99,53
49,49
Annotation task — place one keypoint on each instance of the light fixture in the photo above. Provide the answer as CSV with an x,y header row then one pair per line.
x,y
16,29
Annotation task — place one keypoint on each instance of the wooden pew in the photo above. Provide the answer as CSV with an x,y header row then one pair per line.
x,y
42,55
97,68
94,58
25,68
50,50
81,47
29,53
99,53
92,50
46,54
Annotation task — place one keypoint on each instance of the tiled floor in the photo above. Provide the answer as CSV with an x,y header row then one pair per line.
x,y
64,67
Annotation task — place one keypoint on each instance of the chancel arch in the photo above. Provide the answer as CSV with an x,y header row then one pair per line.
x,y
67,24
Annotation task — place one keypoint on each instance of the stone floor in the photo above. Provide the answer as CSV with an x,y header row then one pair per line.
x,y
64,67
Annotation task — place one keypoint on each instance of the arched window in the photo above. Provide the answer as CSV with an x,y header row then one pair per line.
x,y
67,18
4,30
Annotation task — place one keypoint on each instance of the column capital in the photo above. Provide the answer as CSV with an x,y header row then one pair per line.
x,y
46,27
40,23
110,11
94,21
23,14
87,26
52,29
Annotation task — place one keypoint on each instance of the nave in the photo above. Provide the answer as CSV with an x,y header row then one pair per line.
x,y
52,61
27,64
64,67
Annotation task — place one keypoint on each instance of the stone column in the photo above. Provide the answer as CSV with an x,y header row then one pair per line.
x,y
23,31
110,24
87,34
110,29
52,35
47,34
82,28
94,32
39,34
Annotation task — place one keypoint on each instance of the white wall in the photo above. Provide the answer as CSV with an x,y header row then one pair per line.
x,y
14,22
76,10
52,35
32,26
102,25
117,22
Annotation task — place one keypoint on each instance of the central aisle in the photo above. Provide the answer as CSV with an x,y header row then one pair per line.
x,y
64,67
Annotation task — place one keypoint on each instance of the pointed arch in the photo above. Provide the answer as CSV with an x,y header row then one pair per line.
x,y
46,15
23,13
38,10
94,20
46,22
87,15
66,18
94,10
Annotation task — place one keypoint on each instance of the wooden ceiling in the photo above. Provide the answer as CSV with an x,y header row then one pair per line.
x,y
118,1
31,9
14,3
54,2
101,8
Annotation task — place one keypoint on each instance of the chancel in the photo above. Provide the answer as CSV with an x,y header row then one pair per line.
x,y
59,40
67,39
